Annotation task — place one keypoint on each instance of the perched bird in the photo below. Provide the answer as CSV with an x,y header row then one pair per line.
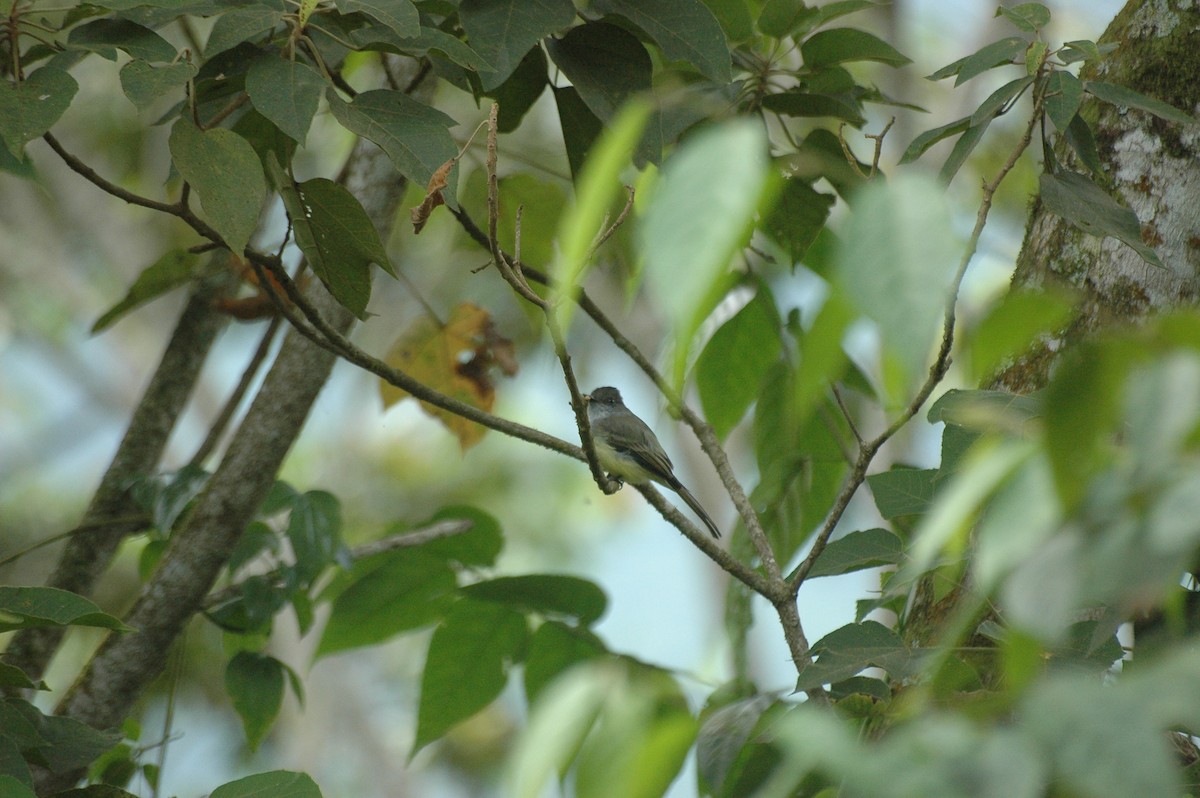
x,y
628,449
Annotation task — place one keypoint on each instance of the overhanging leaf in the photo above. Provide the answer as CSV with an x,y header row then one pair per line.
x,y
1122,95
606,65
1087,206
285,91
902,491
106,34
847,651
48,606
173,269
275,784
255,685
502,31
143,83
399,15
867,548
842,45
685,30
225,171
551,594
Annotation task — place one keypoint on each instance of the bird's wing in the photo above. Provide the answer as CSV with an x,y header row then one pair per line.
x,y
642,447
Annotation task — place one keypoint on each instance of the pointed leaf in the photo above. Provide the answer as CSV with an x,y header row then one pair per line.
x,y
1030,17
238,25
285,91
415,137
1087,206
502,31
225,171
467,666
1064,92
841,45
399,15
255,685
853,648
930,137
868,548
275,784
902,491
554,648
1122,95
546,594
685,30
731,369
106,34
173,269
49,606
987,57
700,214
606,65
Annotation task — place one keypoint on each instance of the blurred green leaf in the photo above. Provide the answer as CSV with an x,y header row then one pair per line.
x,y
897,264
734,363
479,546
274,784
399,15
255,685
1011,327
49,606
553,649
547,594
841,45
701,213
387,594
173,269
467,666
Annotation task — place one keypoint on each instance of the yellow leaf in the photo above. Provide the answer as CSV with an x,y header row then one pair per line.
x,y
455,358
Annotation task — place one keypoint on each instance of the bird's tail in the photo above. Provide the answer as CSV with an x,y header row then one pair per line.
x,y
694,503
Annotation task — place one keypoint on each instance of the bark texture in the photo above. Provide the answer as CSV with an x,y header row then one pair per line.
x,y
1152,166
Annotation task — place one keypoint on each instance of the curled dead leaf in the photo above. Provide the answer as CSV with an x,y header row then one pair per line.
x,y
433,196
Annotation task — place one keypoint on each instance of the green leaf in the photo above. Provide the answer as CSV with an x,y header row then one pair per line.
x,y
12,676
999,99
143,84
781,18
930,137
30,108
337,236
502,31
902,491
867,548
105,34
580,128
478,547
554,648
798,217
1079,136
1122,95
173,269
519,92
285,91
701,213
1011,327
809,104
984,410
415,137
853,648
314,529
238,25
606,65
685,30
1064,92
723,739
734,17
822,359
1084,50
48,606
225,171
1081,202
467,665
11,787
987,57
399,15
59,743
1030,17
731,369
841,45
390,593
962,149
594,193
897,262
274,784
429,40
546,594
255,684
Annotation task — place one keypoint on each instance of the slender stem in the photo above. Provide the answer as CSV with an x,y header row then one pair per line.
x,y
941,363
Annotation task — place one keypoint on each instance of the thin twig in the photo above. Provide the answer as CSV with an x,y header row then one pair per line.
x,y
937,371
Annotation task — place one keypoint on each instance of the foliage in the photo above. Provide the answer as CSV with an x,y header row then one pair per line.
x,y
1050,520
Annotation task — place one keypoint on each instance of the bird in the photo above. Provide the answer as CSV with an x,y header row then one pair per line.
x,y
629,451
